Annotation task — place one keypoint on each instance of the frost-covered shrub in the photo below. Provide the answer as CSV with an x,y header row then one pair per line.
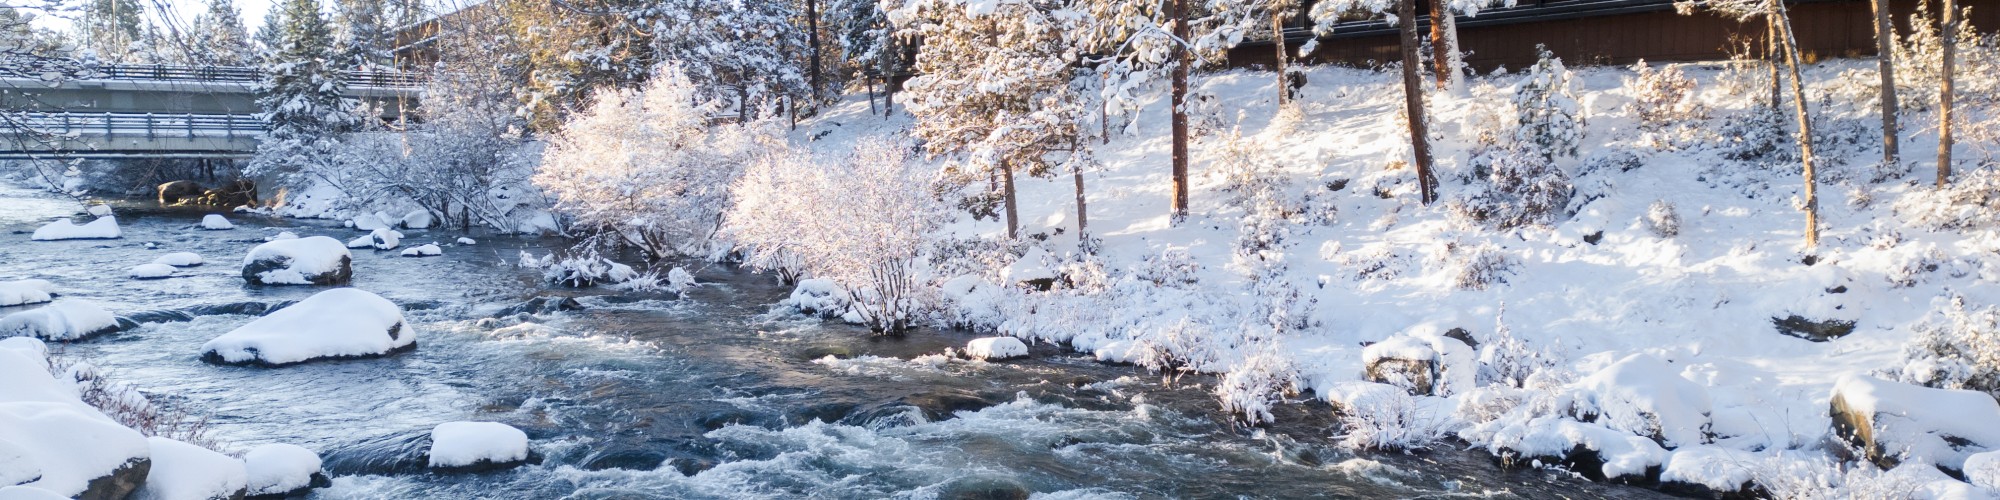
x,y
1475,267
1758,134
650,167
862,222
1972,200
1390,420
1186,346
125,403
1661,96
1252,388
1550,120
1377,262
1506,360
1662,220
1521,189
1913,262
1958,347
583,269
1172,268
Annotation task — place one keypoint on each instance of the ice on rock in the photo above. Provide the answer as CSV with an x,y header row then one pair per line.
x,y
151,271
282,469
17,292
477,445
179,259
68,444
103,228
467,241
67,319
1893,422
317,260
334,324
216,222
1643,395
183,471
425,250
996,348
98,210
420,219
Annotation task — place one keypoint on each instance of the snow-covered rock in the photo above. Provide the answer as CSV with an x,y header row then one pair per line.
x,y
184,471
280,469
317,260
67,319
1981,469
1402,361
996,348
477,446
420,219
17,292
179,259
817,296
216,222
283,235
369,222
70,448
380,239
467,241
334,324
1709,471
98,210
424,250
1595,451
151,271
1643,395
1031,270
102,228
1892,421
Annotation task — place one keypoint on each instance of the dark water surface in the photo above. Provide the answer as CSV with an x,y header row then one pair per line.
x,y
710,396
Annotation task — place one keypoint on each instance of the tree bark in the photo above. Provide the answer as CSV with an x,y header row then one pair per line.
x,y
1438,59
1948,38
812,30
1082,214
1885,36
1013,216
1790,45
1773,53
1182,60
1413,99
1278,40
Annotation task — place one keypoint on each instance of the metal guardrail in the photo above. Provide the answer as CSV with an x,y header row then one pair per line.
x,y
244,74
151,125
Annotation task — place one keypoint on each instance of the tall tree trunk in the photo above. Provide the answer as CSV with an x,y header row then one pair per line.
x,y
1082,214
1948,38
1772,55
812,37
1278,40
1413,99
1454,61
1182,60
888,79
1013,215
1790,44
1438,59
1885,36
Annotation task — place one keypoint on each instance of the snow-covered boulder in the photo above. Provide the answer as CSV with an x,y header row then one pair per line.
x,y
98,210
17,292
1031,270
67,319
996,348
1595,451
1981,469
1892,421
184,471
284,470
102,228
467,241
57,442
1709,472
179,259
1402,361
369,222
817,296
420,219
151,271
424,250
216,222
317,260
340,323
380,239
477,446
1643,395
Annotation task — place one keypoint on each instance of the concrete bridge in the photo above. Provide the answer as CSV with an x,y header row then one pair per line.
x,y
159,111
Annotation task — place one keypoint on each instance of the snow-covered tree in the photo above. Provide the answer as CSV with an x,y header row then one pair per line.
x,y
649,167
302,104
115,30
1139,40
1326,14
1238,18
364,39
867,41
1551,121
860,221
217,37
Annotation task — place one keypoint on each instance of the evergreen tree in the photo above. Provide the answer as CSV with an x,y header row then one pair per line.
x,y
217,37
114,29
364,38
303,110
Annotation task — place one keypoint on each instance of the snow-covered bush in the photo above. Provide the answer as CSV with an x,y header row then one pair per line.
x,y
1172,267
1958,347
1758,134
1475,267
1661,96
1550,120
861,221
649,166
125,403
1506,360
1662,219
1188,345
1390,420
1250,389
1972,200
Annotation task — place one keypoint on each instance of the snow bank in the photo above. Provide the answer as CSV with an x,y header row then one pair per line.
x,y
334,324
281,469
17,292
103,228
151,271
67,319
1894,422
26,493
184,471
425,250
179,259
996,348
461,445
216,222
317,260
51,434
1645,396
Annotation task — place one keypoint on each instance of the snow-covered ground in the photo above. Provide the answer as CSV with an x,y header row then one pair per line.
x,y
1675,328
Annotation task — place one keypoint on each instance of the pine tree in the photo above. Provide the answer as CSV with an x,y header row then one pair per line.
x,y
364,38
303,109
114,29
217,37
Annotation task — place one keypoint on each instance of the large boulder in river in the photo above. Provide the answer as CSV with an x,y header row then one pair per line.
x,y
477,446
279,470
1892,421
17,292
342,323
67,319
183,471
51,440
316,260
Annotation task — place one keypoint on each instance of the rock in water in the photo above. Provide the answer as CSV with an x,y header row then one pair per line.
x,y
98,210
467,241
381,239
179,259
151,271
17,292
67,319
427,250
317,260
420,219
341,323
215,222
280,470
477,446
103,228
996,348
184,471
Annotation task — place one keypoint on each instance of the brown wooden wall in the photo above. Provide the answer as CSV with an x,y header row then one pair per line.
x,y
1825,29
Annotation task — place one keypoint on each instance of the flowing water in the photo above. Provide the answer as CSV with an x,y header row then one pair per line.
x,y
709,396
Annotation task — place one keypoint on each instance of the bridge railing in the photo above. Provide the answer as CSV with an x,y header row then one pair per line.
x,y
150,125
246,74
